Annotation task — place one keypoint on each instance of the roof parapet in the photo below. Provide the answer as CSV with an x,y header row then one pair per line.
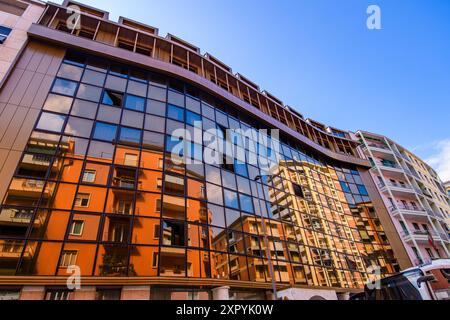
x,y
183,43
138,25
211,58
247,81
272,97
87,9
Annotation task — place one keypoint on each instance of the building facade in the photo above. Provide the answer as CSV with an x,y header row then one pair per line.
x,y
91,182
15,19
414,195
447,187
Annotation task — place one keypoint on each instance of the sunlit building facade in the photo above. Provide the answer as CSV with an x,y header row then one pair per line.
x,y
90,178
414,194
15,19
447,187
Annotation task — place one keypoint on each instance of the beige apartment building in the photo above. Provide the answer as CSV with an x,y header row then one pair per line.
x,y
447,187
414,195
16,16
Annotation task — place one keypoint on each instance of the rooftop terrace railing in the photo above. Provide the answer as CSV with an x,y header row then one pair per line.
x,y
144,40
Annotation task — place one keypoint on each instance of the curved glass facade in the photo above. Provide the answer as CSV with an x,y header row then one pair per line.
x,y
98,187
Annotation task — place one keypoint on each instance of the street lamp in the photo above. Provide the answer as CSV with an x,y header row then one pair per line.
x,y
266,242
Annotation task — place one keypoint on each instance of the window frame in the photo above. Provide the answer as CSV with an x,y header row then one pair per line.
x,y
72,227
4,36
73,255
81,200
89,171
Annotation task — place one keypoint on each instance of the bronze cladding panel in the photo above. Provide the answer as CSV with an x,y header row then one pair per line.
x,y
21,98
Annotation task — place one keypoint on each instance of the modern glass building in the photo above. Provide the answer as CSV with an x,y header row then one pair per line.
x,y
90,177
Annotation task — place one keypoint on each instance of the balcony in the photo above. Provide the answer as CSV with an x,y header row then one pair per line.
x,y
37,160
411,173
11,249
410,211
435,214
444,237
378,150
420,236
396,187
28,188
389,167
401,156
379,147
17,217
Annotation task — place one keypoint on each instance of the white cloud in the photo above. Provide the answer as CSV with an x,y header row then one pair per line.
x,y
440,159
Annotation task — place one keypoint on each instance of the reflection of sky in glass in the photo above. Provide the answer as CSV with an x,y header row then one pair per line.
x,y
51,122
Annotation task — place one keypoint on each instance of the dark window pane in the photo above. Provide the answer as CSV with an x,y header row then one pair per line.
x,y
104,131
130,135
174,233
98,64
119,70
138,75
112,98
75,58
135,103
64,87
298,190
175,113
5,30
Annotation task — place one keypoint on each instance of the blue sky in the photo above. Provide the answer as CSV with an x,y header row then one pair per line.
x,y
319,57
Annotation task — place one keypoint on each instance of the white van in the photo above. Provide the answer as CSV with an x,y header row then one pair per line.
x,y
426,282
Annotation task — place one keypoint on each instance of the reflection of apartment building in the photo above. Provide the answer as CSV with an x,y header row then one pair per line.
x,y
414,196
314,200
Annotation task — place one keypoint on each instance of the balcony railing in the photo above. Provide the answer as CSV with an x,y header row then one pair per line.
x,y
424,233
125,183
435,213
419,233
444,236
395,185
418,190
407,208
401,156
388,165
37,159
411,172
378,146
16,215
